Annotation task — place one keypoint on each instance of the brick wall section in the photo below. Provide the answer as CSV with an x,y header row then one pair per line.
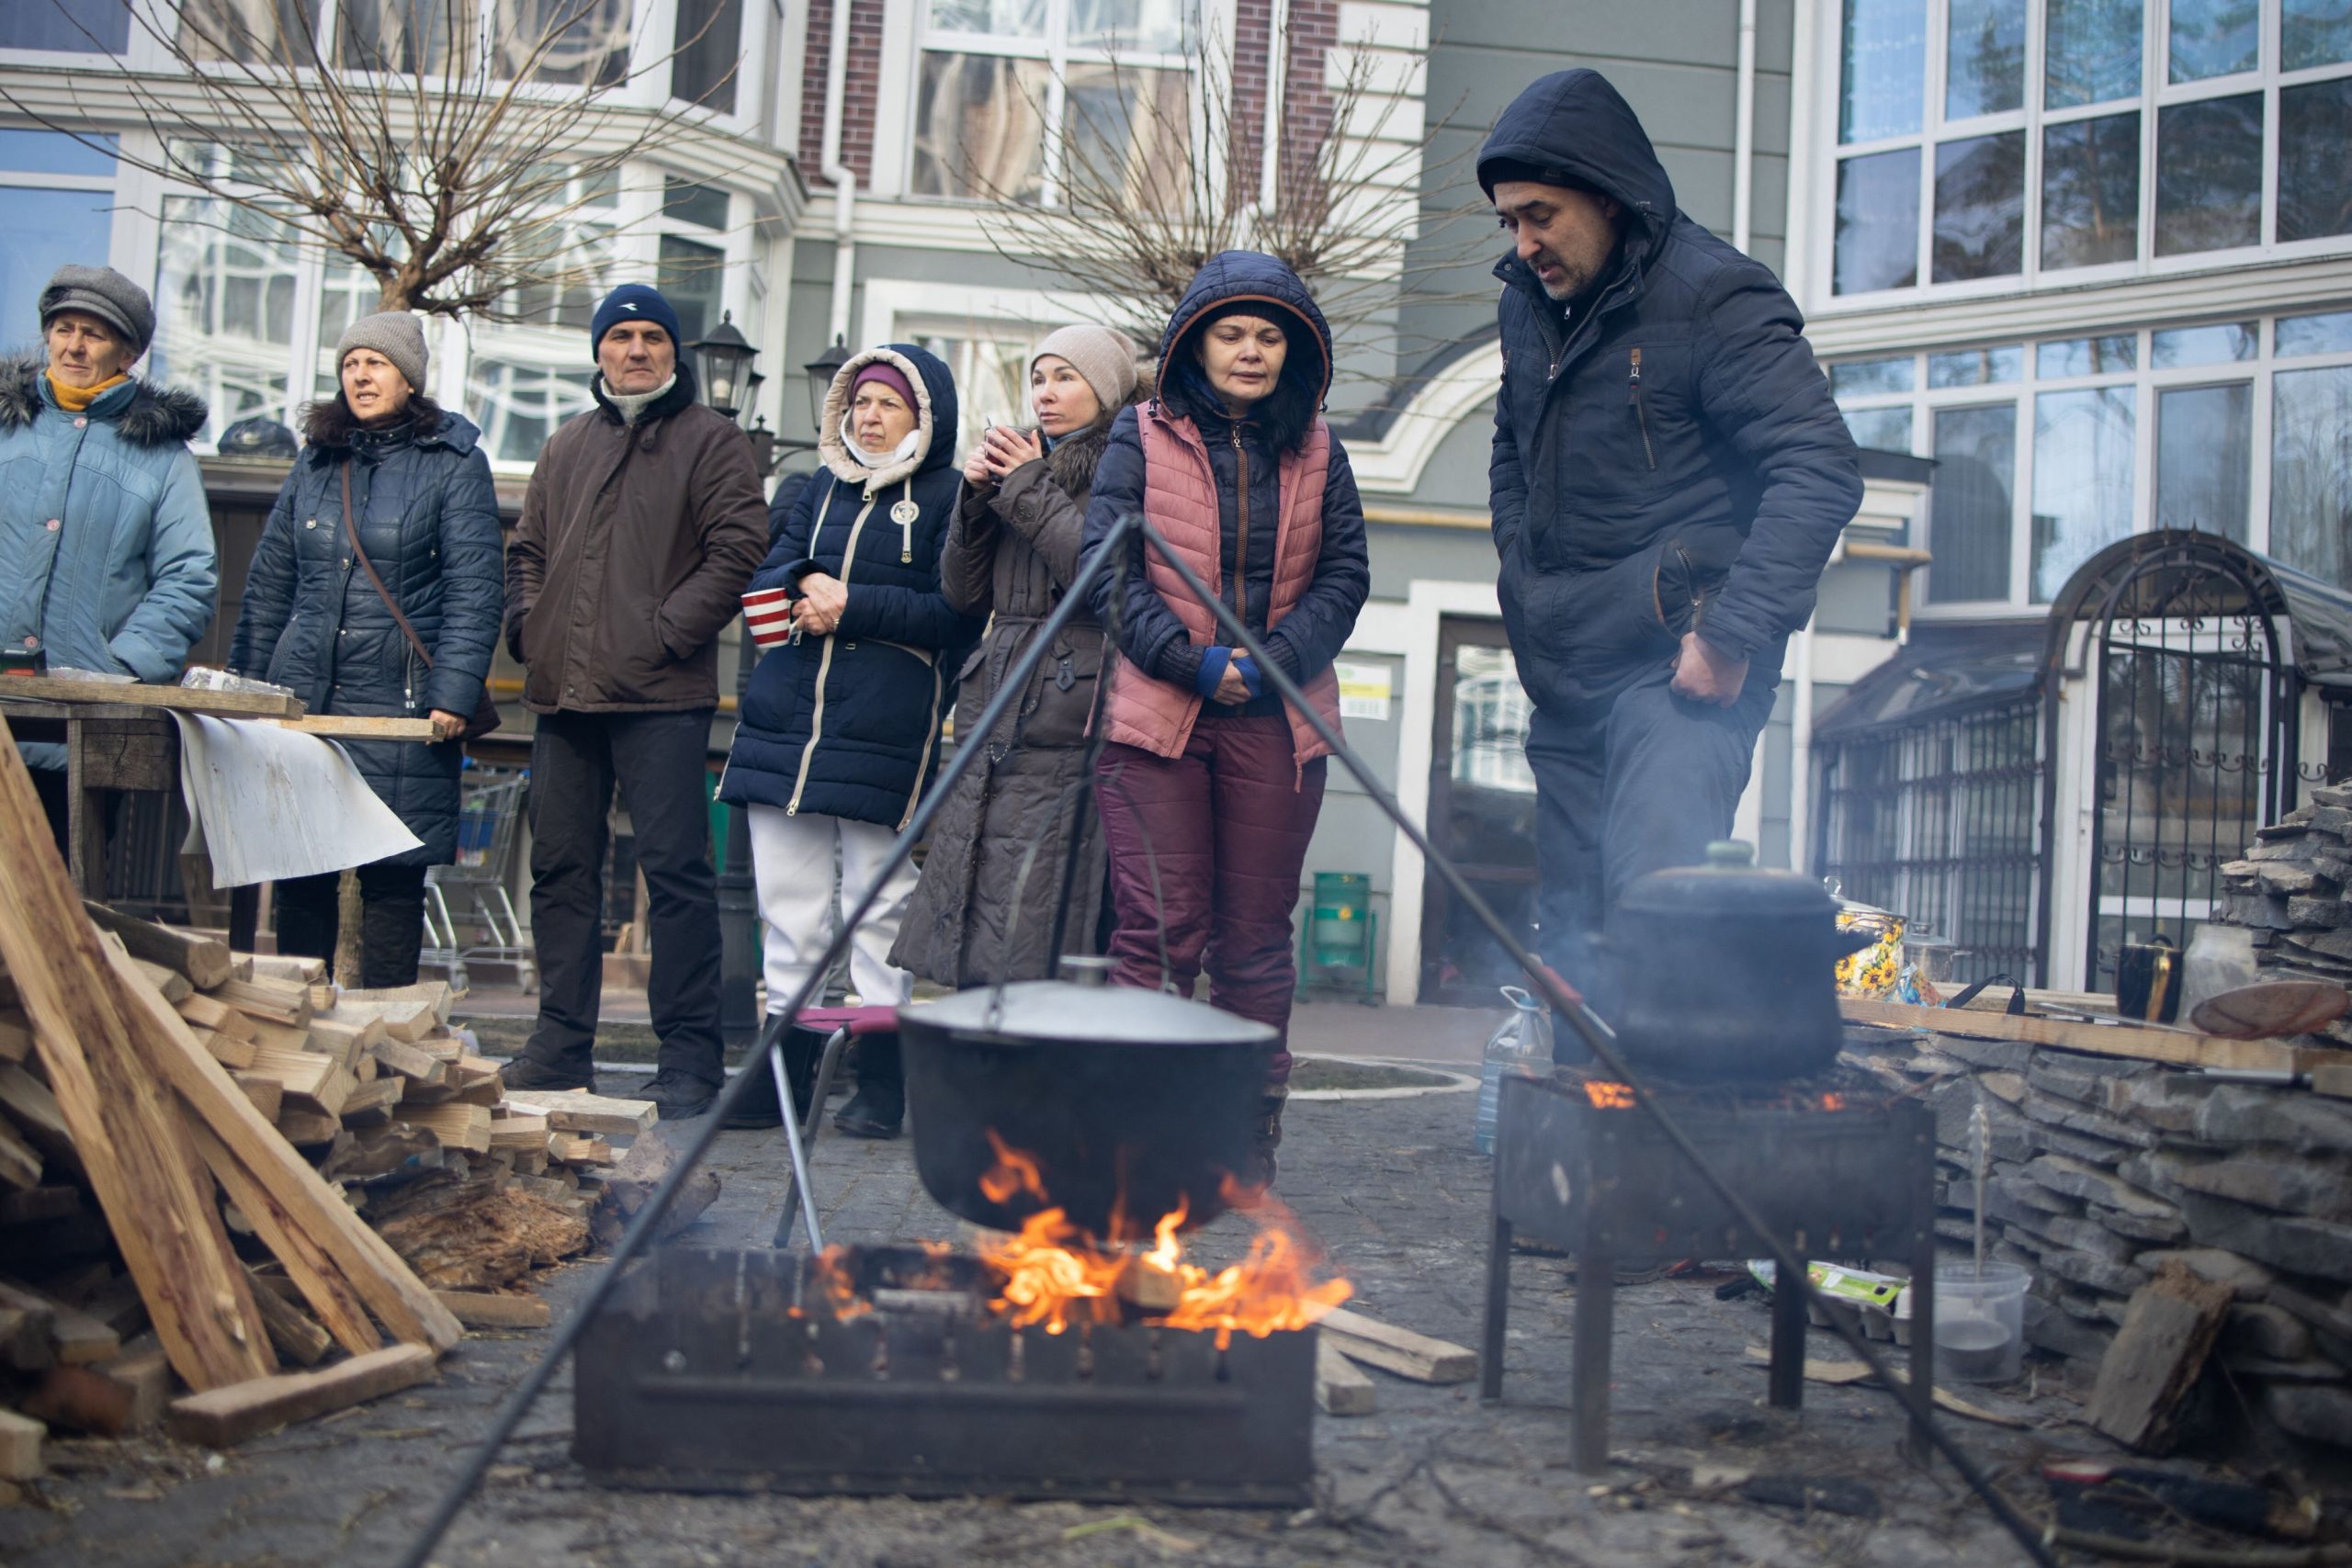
x,y
1307,103
862,86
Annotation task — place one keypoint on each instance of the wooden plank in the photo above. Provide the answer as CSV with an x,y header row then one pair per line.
x,y
2181,1047
228,1416
571,1148
15,1039
306,1129
436,992
2334,1079
266,1093
323,1280
1840,1373
284,966
19,1161
122,1395
312,1081
1340,1389
20,1438
346,1039
577,1110
519,1132
126,1130
134,693
175,986
457,1126
210,1012
486,1309
35,1109
371,1103
274,1001
78,1338
287,1202
354,726
1399,1351
2168,1330
410,1062
235,1054
296,1333
206,961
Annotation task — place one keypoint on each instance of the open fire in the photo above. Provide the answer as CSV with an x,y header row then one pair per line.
x,y
1604,1095
1053,1275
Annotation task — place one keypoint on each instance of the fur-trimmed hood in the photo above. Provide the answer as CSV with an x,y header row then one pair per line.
x,y
1075,456
935,414
155,416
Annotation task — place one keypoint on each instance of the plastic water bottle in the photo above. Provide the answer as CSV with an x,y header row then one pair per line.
x,y
1522,1045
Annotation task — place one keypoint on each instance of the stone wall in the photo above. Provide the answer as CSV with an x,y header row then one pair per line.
x,y
2290,889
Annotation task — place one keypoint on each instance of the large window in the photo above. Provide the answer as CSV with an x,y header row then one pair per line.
x,y
66,28
2049,451
1017,98
2024,140
57,192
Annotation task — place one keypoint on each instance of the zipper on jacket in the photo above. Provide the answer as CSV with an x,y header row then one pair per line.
x,y
1641,415
824,659
906,524
1241,529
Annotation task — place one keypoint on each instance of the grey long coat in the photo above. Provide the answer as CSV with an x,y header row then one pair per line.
x,y
1010,553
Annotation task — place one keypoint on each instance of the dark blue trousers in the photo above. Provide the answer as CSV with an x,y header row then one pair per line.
x,y
1625,785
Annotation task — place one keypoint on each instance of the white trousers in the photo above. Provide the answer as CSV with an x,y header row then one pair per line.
x,y
792,861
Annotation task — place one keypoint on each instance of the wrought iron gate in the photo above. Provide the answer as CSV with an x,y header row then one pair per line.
x,y
2195,734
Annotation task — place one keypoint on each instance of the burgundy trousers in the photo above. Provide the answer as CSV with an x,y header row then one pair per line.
x,y
1205,854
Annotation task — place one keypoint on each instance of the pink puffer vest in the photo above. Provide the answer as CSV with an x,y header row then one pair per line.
x,y
1180,501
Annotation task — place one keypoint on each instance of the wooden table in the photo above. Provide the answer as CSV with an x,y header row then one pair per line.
x,y
108,746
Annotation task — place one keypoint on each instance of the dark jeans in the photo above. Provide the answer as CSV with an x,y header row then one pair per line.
x,y
1624,786
657,761
392,922
1225,826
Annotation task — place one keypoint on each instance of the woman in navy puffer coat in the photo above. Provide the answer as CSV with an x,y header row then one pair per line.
x,y
313,620
840,729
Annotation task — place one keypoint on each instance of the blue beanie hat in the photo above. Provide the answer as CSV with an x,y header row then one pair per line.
x,y
633,302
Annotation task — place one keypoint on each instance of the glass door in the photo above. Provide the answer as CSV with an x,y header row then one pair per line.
x,y
1482,813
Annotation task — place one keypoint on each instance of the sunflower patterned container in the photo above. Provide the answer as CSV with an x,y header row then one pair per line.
x,y
1871,974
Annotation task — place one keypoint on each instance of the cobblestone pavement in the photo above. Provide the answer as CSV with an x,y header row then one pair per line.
x,y
1390,1186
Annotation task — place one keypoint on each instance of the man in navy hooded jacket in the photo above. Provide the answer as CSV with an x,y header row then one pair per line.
x,y
1668,477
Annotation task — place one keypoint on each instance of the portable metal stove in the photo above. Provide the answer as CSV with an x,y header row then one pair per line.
x,y
1579,1165
755,1370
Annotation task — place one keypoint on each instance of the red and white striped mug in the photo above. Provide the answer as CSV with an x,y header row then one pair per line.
x,y
769,611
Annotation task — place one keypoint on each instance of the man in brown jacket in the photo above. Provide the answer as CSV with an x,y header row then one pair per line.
x,y
642,523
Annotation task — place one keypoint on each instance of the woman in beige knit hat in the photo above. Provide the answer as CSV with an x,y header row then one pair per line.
x,y
984,909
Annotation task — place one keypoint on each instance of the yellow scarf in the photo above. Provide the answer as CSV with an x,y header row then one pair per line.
x,y
74,399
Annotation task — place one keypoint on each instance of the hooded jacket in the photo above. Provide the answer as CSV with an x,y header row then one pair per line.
x,y
1670,459
631,556
107,559
1011,555
311,620
1302,609
848,725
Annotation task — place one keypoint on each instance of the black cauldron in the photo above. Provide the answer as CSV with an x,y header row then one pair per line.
x,y
1727,973
1130,1102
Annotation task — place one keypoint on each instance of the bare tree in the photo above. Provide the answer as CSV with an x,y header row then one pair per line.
x,y
1151,183
451,149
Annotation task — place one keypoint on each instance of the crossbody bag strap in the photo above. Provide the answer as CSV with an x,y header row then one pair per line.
x,y
359,553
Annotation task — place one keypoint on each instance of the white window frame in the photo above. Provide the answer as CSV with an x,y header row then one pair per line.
x,y
2156,94
907,36
2148,382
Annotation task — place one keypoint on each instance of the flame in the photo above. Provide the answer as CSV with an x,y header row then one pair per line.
x,y
1833,1103
1056,1275
1606,1096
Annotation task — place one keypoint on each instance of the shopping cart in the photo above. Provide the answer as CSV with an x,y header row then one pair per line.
x,y
468,897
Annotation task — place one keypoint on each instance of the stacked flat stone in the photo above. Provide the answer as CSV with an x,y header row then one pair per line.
x,y
2290,891
2103,1168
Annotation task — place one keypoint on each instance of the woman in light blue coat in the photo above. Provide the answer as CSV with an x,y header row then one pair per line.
x,y
107,559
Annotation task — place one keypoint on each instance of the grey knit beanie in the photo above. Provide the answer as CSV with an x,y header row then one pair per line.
x,y
105,293
1106,359
395,334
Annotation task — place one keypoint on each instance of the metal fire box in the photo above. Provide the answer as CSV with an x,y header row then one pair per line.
x,y
723,1371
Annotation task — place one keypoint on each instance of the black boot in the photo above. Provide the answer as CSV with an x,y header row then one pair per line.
x,y
879,1105
1265,1137
760,1107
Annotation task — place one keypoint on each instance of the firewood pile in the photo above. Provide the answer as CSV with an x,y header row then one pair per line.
x,y
231,1198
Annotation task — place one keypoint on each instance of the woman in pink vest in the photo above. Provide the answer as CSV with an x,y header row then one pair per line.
x,y
1209,785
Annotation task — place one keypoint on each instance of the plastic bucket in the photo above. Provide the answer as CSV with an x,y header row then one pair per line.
x,y
1980,1321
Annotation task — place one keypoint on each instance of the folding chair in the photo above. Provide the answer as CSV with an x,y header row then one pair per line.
x,y
839,1025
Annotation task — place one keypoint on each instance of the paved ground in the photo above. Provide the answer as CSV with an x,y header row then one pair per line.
x,y
1390,1186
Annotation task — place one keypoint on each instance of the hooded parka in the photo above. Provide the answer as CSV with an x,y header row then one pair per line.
x,y
1011,554
1670,459
311,620
848,725
107,559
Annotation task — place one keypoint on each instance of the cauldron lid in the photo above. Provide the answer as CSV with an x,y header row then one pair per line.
x,y
1060,1012
1729,884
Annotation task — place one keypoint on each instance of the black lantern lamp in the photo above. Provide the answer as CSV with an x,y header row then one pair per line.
x,y
821,371
723,361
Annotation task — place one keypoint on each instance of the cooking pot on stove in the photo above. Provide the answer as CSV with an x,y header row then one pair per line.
x,y
1131,1103
1727,972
